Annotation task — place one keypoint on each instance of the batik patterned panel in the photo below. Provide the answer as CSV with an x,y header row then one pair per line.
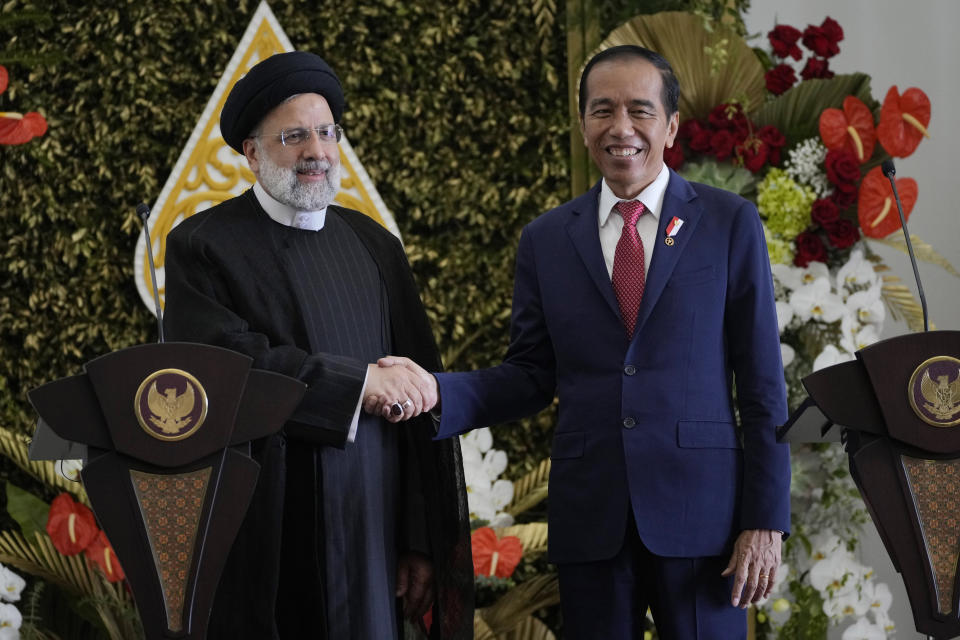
x,y
170,506
935,485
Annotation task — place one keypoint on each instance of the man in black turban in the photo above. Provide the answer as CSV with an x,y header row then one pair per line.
x,y
356,523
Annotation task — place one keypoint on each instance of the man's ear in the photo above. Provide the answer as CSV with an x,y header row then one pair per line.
x,y
250,152
673,126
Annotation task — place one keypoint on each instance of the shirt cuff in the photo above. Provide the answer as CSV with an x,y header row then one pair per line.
x,y
352,434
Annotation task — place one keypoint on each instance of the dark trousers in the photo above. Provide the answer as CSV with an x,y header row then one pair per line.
x,y
608,599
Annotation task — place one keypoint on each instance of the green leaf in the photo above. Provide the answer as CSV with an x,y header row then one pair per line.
x,y
28,510
790,113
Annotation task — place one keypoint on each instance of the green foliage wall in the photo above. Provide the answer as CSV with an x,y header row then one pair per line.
x,y
455,108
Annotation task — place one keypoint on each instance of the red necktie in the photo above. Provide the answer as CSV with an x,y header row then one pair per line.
x,y
629,275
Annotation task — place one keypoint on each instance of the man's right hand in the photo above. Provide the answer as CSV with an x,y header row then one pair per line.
x,y
398,380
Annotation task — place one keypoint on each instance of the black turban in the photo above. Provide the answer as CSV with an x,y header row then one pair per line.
x,y
269,83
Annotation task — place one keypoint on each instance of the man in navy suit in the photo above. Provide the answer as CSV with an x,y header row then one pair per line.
x,y
657,497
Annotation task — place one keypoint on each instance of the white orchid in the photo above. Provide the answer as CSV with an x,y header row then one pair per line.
x,y
867,305
487,494
857,272
787,354
784,315
792,278
11,585
10,620
863,629
830,356
816,301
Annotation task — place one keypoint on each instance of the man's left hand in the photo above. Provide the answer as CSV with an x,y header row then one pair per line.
x,y
415,584
755,560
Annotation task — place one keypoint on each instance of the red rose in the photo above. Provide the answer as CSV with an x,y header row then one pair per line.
x,y
688,129
753,154
780,78
700,138
823,40
673,156
721,144
845,194
824,212
832,30
842,233
809,248
783,39
730,117
842,167
816,68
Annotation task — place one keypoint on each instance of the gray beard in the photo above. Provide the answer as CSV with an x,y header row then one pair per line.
x,y
282,183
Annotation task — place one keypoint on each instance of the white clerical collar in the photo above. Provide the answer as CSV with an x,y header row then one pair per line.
x,y
651,197
287,215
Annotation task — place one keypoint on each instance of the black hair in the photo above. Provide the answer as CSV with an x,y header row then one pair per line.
x,y
670,95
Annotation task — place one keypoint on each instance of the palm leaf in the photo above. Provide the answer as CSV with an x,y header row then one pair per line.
x,y
16,447
514,607
790,112
533,535
112,602
921,249
729,72
530,490
901,302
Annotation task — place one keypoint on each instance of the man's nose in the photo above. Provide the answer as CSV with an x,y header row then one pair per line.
x,y
314,149
622,124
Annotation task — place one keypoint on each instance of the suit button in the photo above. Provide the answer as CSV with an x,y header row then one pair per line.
x,y
629,423
629,369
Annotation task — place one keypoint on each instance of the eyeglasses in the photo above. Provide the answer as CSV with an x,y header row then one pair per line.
x,y
328,133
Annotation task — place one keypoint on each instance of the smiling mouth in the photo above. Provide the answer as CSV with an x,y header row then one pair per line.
x,y
623,152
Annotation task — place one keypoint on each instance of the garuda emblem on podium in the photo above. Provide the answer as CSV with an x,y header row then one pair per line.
x,y
170,404
934,391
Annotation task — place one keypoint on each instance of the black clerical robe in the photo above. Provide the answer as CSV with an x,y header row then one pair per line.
x,y
233,280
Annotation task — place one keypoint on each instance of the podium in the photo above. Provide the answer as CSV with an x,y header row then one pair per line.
x,y
164,431
897,408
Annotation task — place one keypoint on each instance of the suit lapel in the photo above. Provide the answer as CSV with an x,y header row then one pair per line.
x,y
583,229
679,201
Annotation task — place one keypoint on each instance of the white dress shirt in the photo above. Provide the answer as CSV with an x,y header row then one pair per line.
x,y
612,225
312,221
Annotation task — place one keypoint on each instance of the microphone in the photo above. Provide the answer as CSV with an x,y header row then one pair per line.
x,y
890,171
144,212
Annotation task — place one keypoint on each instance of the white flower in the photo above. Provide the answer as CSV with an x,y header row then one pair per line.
x,y
11,585
834,572
857,272
867,305
787,354
70,469
864,630
879,596
883,620
805,165
816,301
855,336
784,315
829,357
494,463
793,278
10,618
480,439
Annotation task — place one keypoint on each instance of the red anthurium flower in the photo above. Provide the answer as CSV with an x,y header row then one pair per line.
x,y
851,128
101,553
493,556
70,525
903,121
17,129
4,78
877,209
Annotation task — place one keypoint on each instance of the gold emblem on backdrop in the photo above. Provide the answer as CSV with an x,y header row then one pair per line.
x,y
209,172
934,391
170,404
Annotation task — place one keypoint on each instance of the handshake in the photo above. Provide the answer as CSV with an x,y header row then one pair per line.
x,y
399,389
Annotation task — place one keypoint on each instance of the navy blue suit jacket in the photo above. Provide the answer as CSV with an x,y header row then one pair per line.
x,y
648,423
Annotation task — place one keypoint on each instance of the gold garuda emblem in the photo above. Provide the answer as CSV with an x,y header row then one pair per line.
x,y
934,391
171,404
